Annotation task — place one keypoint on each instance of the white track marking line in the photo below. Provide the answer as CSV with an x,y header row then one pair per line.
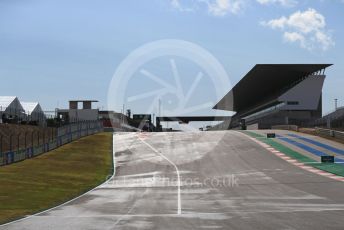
x,y
123,216
175,166
292,161
325,174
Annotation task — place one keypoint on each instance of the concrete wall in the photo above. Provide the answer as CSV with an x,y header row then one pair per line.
x,y
307,93
83,114
286,127
253,126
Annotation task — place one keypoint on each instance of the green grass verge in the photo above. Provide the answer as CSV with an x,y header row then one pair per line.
x,y
337,169
55,177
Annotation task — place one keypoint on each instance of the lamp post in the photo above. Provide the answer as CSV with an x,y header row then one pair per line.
x,y
336,104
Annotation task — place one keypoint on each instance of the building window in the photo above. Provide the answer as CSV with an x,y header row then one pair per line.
x,y
293,103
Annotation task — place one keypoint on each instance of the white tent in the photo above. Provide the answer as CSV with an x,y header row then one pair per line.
x,y
34,111
10,107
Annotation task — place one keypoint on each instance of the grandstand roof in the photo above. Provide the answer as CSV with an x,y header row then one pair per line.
x,y
30,106
263,83
6,101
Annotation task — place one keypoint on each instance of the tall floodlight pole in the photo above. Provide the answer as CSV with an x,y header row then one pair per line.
x,y
336,104
123,115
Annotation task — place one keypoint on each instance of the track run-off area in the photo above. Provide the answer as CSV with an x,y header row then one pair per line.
x,y
205,180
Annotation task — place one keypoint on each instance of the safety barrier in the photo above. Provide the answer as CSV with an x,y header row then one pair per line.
x,y
330,133
286,127
64,135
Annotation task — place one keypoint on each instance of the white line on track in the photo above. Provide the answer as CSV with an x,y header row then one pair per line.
x,y
122,216
175,166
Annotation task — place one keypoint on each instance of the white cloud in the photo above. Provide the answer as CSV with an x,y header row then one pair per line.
x,y
223,7
175,4
294,37
308,28
285,3
178,6
218,8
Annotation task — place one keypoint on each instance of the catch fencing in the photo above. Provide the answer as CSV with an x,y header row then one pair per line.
x,y
330,133
63,135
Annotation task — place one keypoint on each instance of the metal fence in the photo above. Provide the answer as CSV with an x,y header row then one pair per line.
x,y
330,133
63,135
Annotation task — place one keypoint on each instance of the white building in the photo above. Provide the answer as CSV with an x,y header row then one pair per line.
x,y
34,111
11,108
74,113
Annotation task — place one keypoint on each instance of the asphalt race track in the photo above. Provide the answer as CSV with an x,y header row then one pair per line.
x,y
201,180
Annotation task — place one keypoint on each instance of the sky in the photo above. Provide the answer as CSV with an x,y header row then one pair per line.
x,y
54,51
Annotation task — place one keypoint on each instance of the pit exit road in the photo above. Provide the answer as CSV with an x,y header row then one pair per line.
x,y
227,181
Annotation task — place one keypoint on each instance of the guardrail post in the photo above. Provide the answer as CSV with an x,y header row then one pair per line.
x,y
331,133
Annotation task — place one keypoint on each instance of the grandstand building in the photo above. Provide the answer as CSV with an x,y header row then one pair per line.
x,y
276,94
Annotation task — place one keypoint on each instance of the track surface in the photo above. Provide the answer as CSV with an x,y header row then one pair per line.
x,y
226,181
308,145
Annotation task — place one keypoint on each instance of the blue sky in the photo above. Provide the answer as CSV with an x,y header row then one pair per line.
x,y
53,51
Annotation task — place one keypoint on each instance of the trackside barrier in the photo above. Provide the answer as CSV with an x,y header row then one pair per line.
x,y
330,133
64,135
286,127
